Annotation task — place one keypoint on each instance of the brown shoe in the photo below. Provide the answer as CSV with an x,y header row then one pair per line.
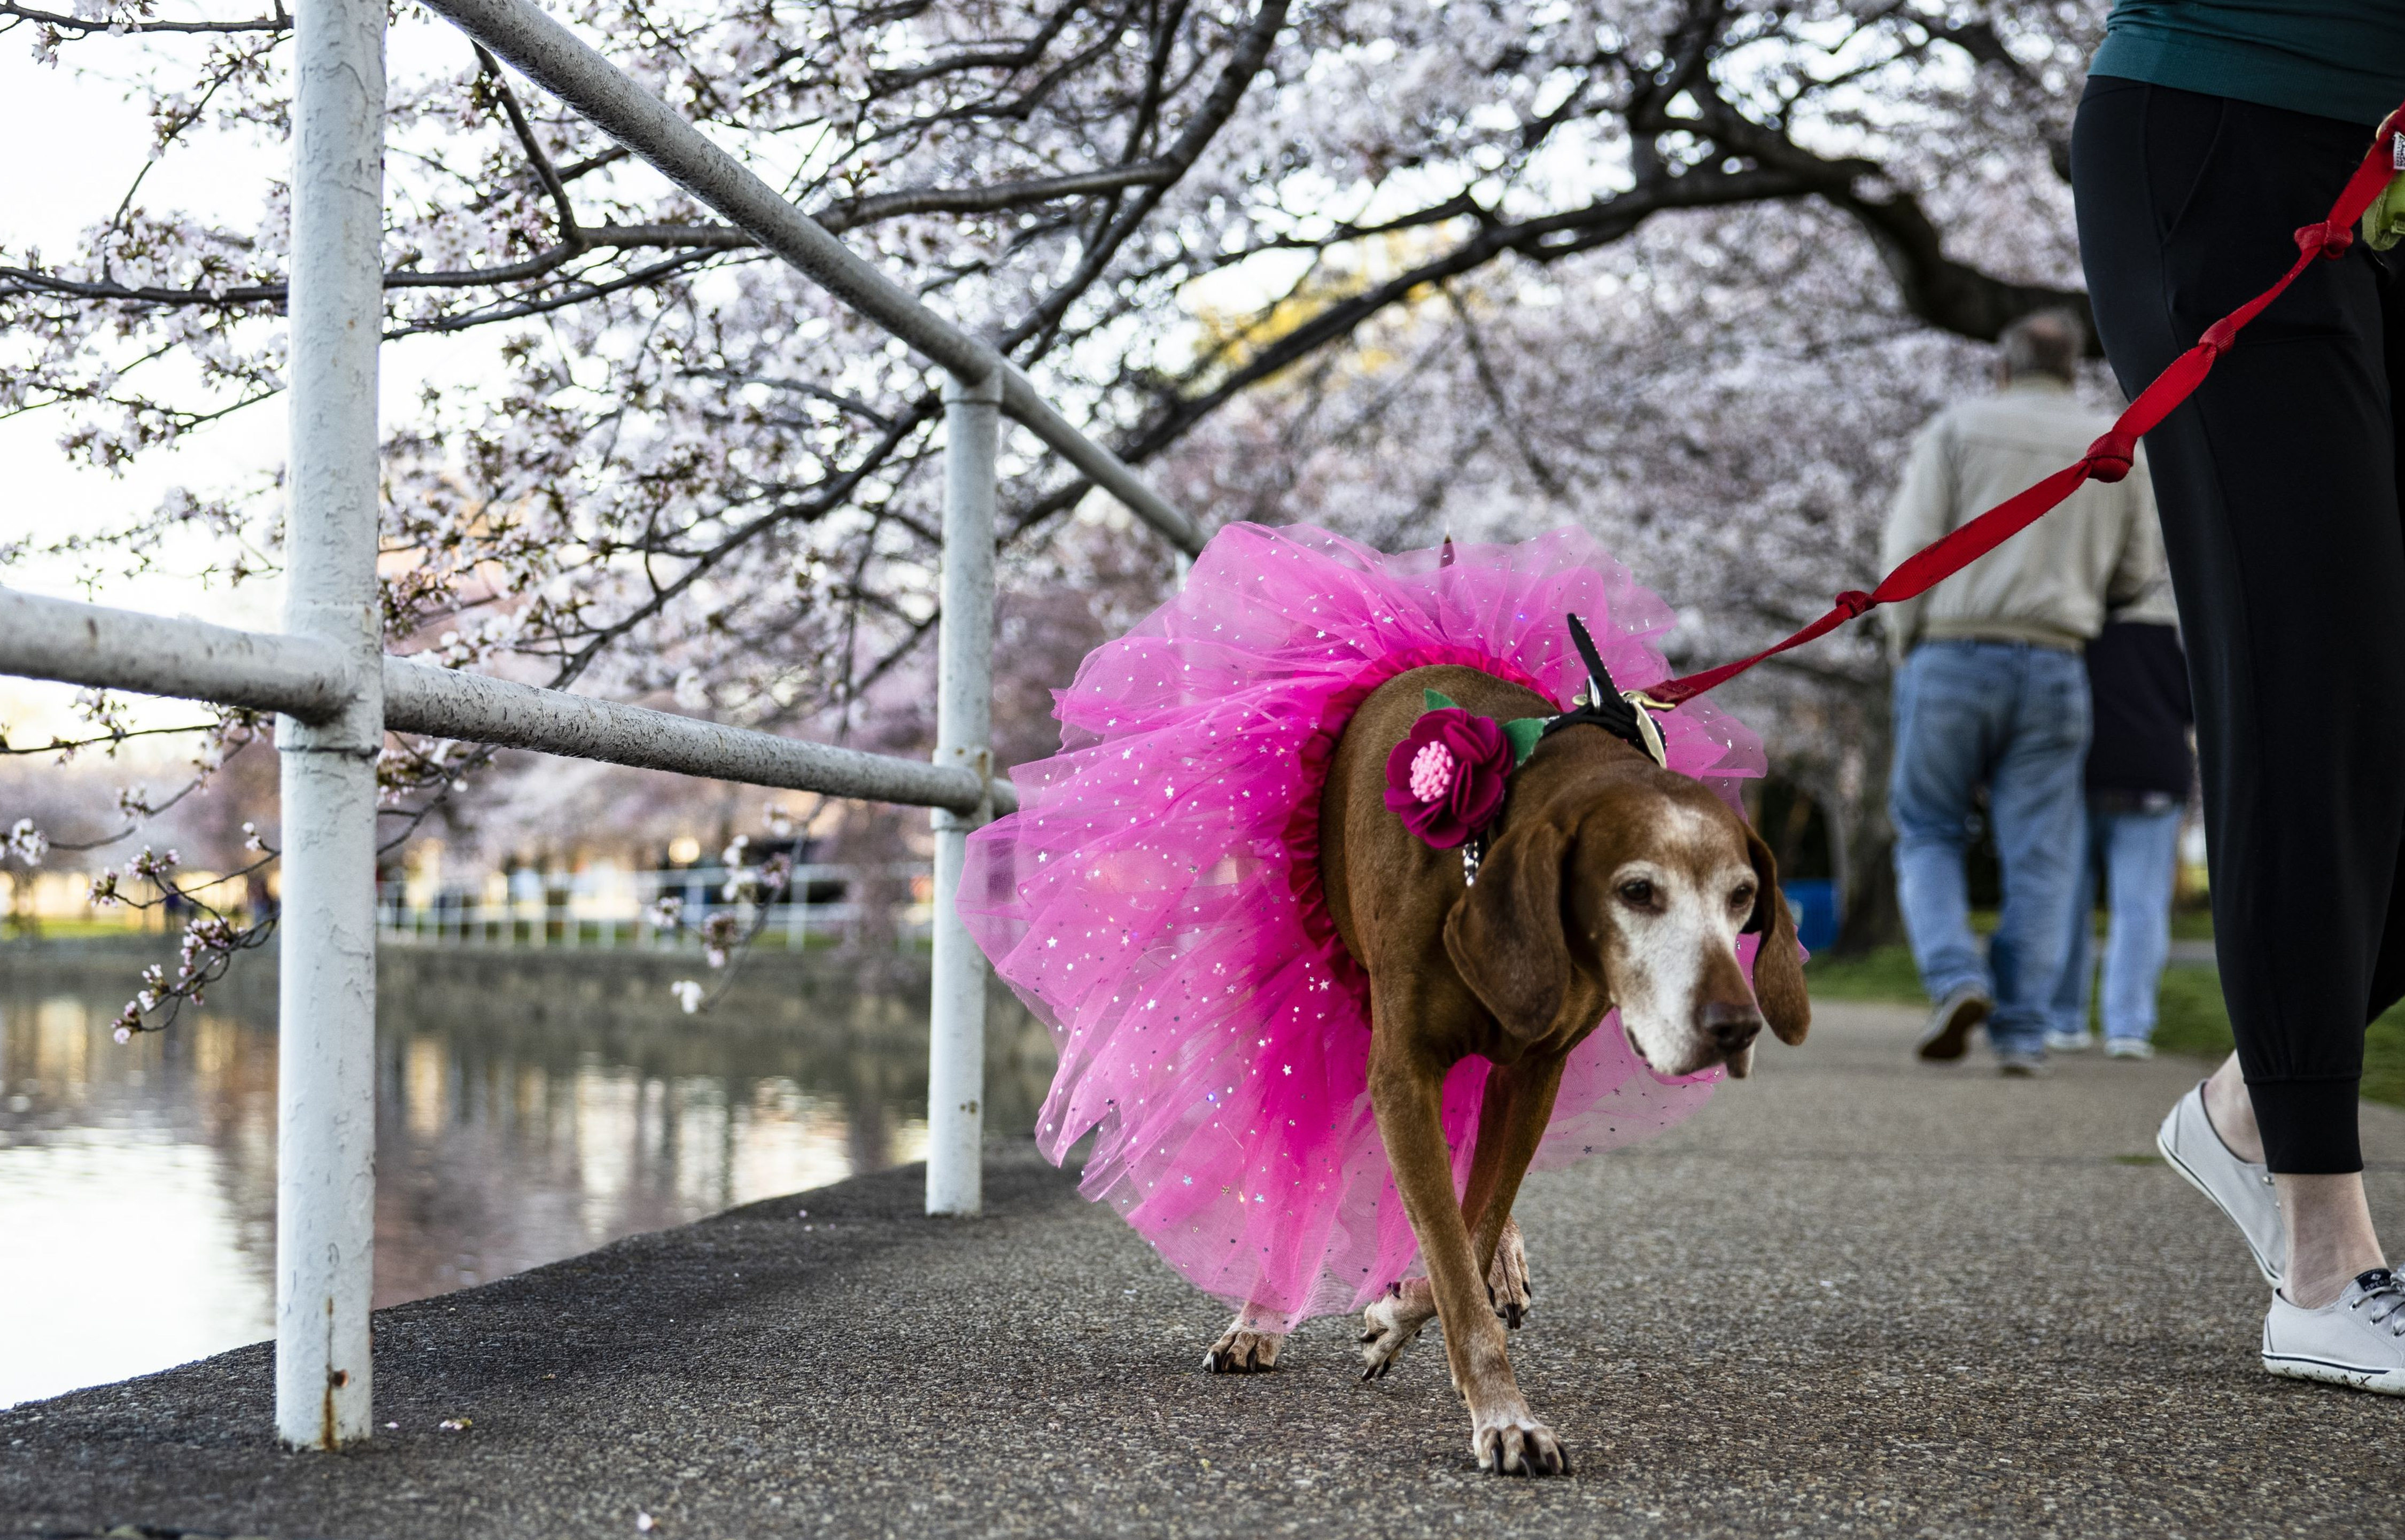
x,y
1950,1026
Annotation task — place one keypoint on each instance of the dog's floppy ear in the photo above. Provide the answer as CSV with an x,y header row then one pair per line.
x,y
1505,934
1778,975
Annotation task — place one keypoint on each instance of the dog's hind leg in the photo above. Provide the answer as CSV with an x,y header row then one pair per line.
x,y
1244,1348
1395,1320
1507,1279
1392,1322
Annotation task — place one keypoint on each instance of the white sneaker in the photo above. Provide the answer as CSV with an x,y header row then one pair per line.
x,y
2242,1188
2067,1043
2128,1047
2022,1064
2357,1340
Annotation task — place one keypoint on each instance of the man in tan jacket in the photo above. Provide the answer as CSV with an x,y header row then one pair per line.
x,y
1990,691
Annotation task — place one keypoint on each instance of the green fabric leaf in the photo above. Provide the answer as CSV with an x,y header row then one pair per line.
x,y
2383,222
1523,733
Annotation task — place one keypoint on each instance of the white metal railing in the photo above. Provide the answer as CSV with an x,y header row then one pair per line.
x,y
307,679
337,694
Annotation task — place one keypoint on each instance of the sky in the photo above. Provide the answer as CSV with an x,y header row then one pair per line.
x,y
46,199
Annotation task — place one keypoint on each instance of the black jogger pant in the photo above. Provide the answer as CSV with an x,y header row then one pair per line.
x,y
2278,486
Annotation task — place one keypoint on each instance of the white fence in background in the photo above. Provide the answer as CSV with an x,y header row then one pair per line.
x,y
338,694
605,906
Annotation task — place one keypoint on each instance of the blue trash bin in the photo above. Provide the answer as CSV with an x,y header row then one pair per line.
x,y
1813,902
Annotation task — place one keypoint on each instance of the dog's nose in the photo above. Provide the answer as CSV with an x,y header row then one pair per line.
x,y
1730,1027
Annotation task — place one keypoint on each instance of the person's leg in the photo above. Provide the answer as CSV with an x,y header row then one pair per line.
x,y
2067,1027
2040,810
2327,1221
1944,707
2277,485
2140,855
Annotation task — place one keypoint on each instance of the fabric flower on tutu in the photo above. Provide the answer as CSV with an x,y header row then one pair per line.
x,y
1445,780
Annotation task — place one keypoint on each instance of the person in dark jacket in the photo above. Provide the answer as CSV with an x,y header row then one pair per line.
x,y
2139,766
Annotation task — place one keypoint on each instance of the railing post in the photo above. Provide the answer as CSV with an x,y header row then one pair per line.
x,y
325,1173
964,716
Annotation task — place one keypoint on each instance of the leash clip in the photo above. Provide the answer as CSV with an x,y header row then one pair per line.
x,y
1645,706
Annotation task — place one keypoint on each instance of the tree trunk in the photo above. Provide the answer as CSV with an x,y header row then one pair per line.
x,y
1873,918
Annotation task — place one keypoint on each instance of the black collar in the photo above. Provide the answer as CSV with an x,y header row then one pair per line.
x,y
1604,707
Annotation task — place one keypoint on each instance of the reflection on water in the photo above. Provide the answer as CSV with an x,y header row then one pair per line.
x,y
137,1182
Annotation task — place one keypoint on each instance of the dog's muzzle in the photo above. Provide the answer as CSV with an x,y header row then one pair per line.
x,y
1731,1029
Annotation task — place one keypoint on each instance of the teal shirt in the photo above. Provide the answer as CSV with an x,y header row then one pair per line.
x,y
2342,59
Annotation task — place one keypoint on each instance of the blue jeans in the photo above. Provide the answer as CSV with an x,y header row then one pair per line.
x,y
2013,718
2140,852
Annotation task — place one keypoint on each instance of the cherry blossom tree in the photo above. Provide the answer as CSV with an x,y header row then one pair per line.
x,y
1686,270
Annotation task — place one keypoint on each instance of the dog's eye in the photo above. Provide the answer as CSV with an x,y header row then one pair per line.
x,y
1637,893
1741,897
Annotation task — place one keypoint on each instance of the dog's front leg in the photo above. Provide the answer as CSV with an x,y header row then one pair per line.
x,y
1406,1090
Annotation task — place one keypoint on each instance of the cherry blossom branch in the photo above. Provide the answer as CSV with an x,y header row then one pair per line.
x,y
69,746
210,943
499,84
726,941
279,23
586,239
1244,62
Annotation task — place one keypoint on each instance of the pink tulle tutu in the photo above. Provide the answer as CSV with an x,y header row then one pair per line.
x,y
1157,898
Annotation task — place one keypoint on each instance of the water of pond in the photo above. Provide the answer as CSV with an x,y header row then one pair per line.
x,y
137,1182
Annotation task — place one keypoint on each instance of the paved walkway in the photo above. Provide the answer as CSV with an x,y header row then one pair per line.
x,y
1854,1296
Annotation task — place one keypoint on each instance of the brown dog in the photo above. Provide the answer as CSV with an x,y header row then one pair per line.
x,y
1607,881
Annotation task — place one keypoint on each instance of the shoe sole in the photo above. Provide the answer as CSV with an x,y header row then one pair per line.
x,y
1953,1036
2171,1158
2377,1382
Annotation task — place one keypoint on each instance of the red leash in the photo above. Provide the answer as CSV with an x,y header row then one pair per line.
x,y
2107,459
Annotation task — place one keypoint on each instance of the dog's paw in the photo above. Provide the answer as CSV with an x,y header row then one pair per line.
x,y
1388,1325
1513,1443
1507,1280
1243,1351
